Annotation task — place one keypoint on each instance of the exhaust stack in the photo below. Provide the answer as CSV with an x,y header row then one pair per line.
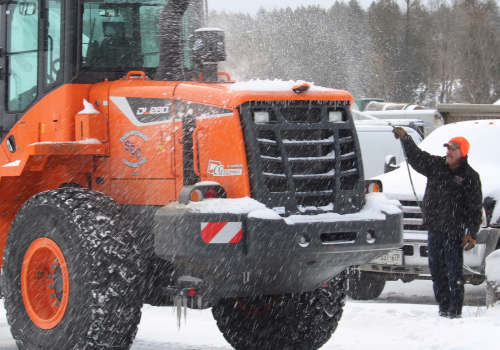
x,y
170,66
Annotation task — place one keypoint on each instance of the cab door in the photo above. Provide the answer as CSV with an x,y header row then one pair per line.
x,y
30,60
20,87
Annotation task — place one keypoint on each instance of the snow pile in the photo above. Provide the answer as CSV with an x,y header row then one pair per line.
x,y
207,183
88,108
15,163
493,269
377,205
266,214
226,205
82,142
272,85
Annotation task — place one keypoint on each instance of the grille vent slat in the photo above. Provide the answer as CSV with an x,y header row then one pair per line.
x,y
412,217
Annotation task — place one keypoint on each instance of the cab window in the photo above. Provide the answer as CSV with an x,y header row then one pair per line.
x,y
120,36
52,42
22,54
124,36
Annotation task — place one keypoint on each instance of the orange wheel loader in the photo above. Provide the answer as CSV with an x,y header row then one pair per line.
x,y
132,171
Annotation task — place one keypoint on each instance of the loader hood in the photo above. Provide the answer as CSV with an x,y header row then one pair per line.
x,y
232,95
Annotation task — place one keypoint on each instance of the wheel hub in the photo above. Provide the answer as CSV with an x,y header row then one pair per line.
x,y
45,283
256,306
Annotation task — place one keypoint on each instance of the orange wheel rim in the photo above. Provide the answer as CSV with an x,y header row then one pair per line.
x,y
262,309
45,283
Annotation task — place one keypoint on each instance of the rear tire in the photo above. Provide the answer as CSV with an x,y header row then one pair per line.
x,y
77,251
302,321
365,286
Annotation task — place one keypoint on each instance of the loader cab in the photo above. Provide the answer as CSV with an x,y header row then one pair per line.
x,y
45,44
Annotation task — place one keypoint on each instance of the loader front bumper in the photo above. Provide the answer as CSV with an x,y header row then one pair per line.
x,y
260,253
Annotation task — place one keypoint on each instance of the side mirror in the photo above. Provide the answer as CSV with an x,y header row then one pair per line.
x,y
488,208
11,144
27,8
390,164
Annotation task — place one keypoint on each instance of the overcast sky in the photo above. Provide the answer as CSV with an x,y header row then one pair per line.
x,y
252,6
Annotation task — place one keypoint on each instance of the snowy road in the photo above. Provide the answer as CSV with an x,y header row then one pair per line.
x,y
404,316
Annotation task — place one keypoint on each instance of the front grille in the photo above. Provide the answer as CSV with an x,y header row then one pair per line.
x,y
408,250
301,157
412,217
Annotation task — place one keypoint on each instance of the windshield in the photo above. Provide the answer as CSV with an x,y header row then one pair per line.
x,y
124,36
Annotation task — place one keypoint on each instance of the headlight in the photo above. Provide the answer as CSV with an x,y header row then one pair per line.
x,y
335,116
261,117
373,188
200,192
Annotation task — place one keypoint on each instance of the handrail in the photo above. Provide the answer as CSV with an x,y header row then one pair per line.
x,y
136,72
195,152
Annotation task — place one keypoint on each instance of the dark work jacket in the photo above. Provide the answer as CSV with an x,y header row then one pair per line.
x,y
453,198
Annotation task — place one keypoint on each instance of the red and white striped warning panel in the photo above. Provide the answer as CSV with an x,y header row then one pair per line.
x,y
221,232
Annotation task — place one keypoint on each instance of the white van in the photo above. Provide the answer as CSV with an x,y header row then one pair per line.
x,y
380,151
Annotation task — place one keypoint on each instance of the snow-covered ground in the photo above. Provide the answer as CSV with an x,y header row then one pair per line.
x,y
403,317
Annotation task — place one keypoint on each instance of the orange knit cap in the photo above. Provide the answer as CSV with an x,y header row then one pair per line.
x,y
462,143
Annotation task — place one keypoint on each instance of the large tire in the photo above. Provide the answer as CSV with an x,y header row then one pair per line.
x,y
72,247
302,321
365,286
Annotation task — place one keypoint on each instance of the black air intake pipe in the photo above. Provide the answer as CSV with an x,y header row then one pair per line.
x,y
170,66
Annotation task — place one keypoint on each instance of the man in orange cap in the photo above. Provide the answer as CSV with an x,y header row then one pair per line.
x,y
451,211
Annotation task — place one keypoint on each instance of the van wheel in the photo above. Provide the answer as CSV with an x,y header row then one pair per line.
x,y
365,286
304,321
72,273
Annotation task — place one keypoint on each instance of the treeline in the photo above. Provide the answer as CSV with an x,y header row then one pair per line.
x,y
425,53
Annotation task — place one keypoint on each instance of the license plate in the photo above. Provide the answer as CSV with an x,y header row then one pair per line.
x,y
392,258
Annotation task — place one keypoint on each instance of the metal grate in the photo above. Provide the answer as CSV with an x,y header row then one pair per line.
x,y
412,216
302,154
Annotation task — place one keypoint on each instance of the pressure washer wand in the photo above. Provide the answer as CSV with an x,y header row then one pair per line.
x,y
408,168
402,146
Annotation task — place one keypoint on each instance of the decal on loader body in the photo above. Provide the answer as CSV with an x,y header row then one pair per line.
x,y
144,111
216,168
133,150
221,232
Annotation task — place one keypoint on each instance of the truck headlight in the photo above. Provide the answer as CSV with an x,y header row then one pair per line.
x,y
261,117
335,116
373,186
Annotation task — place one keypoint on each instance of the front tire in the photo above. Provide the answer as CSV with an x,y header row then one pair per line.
x,y
72,273
302,321
365,286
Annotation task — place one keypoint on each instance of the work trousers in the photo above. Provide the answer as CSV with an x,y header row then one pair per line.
x,y
445,263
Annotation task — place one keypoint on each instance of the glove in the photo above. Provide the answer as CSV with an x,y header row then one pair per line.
x,y
399,132
468,243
